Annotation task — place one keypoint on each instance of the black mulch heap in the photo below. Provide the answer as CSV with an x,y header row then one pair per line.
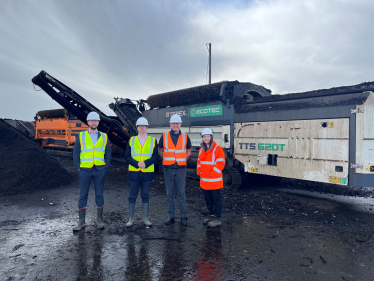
x,y
25,166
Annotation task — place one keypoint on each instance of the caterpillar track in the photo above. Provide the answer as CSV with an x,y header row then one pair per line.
x,y
232,177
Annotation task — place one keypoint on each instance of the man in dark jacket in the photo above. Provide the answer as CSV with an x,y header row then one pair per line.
x,y
141,154
174,148
92,157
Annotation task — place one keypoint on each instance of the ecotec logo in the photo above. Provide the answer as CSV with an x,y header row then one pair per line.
x,y
210,110
180,113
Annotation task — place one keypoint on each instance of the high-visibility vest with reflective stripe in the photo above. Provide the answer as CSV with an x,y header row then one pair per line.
x,y
174,153
141,152
211,164
92,154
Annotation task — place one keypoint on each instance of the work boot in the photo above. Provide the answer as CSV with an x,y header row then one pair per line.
x,y
130,223
214,223
183,221
170,221
145,215
208,219
82,220
100,223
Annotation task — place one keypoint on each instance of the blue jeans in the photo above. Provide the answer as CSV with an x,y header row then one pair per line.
x,y
175,179
85,178
213,202
144,191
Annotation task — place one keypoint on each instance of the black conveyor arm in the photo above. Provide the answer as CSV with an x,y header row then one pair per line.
x,y
80,107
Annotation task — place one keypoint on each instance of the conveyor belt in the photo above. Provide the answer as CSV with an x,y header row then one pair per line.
x,y
188,96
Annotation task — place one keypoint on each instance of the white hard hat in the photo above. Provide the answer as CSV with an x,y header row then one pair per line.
x,y
175,119
93,116
142,121
206,131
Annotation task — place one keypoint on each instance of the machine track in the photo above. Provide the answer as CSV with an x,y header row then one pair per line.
x,y
232,177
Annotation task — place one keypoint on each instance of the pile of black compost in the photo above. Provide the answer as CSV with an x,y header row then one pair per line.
x,y
25,166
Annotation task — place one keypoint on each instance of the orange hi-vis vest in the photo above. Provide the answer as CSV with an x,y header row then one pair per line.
x,y
209,167
174,153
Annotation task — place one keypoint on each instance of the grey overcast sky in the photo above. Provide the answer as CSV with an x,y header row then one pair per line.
x,y
106,49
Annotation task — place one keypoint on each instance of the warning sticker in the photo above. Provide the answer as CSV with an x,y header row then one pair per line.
x,y
338,180
367,169
252,170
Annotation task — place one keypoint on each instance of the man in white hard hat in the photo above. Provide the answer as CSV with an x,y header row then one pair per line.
x,y
92,157
141,154
175,148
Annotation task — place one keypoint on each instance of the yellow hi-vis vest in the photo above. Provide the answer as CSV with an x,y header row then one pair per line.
x,y
141,152
92,154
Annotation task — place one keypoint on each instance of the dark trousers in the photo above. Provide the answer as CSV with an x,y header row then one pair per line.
x,y
214,202
85,178
175,179
144,187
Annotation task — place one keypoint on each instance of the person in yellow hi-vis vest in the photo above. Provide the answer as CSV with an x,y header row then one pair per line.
x,y
92,157
141,154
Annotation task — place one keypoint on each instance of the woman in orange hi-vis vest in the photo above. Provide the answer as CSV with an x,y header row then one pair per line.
x,y
210,164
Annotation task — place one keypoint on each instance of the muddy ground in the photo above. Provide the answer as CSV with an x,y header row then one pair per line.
x,y
267,234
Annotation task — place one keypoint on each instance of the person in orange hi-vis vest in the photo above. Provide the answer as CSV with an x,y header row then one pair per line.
x,y
210,164
174,148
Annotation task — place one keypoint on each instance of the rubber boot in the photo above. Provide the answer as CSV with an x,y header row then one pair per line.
x,y
100,223
208,219
145,215
82,220
214,223
130,223
183,221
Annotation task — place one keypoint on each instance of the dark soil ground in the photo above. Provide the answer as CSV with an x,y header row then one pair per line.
x,y
266,234
326,188
264,202
25,166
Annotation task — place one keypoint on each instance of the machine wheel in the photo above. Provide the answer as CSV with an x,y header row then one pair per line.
x,y
232,177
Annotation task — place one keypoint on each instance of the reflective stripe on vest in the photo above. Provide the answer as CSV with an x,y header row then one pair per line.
x,y
174,153
92,154
215,169
141,152
214,161
210,179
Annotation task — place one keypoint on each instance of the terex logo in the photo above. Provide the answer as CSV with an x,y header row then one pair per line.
x,y
180,113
